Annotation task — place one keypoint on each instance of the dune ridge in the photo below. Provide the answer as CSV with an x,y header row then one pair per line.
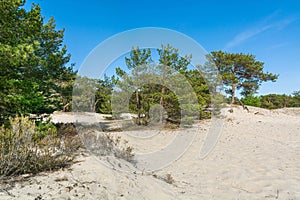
x,y
256,157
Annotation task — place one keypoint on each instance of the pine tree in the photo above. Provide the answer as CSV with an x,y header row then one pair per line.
x,y
241,71
34,77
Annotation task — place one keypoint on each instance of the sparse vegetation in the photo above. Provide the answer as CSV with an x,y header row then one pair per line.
x,y
26,148
107,144
168,178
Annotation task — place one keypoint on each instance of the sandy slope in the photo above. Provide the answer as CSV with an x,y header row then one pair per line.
x,y
257,157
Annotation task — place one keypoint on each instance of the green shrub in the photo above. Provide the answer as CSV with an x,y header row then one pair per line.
x,y
44,128
187,121
274,101
252,101
27,148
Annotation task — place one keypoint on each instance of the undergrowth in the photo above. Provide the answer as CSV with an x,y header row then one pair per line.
x,y
107,144
27,148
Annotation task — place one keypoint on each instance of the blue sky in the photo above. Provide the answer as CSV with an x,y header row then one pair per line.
x,y
268,29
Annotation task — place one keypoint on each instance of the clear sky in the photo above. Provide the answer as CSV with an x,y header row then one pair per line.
x,y
268,29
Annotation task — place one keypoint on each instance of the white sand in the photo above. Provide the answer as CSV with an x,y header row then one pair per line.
x,y
257,157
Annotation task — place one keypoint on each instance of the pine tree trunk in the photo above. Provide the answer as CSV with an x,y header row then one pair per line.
x,y
137,102
65,108
233,93
162,103
95,105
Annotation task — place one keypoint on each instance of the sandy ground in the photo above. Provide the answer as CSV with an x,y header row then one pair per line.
x,y
257,157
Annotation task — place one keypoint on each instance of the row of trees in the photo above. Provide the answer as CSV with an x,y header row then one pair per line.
x,y
171,86
147,88
35,76
168,87
273,101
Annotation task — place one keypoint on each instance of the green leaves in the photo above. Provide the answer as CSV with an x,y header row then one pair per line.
x,y
22,97
138,57
33,75
241,71
274,101
169,87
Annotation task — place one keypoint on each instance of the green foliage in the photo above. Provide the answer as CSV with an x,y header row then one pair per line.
x,y
34,77
103,95
44,128
201,89
23,150
296,99
139,58
241,71
24,97
84,91
274,101
296,93
172,68
251,100
181,93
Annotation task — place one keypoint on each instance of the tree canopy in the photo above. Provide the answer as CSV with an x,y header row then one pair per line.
x,y
273,101
241,71
34,76
163,89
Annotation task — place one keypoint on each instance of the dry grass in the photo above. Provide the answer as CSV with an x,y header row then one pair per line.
x,y
28,149
107,144
168,178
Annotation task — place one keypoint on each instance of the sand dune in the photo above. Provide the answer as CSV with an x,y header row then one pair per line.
x,y
257,156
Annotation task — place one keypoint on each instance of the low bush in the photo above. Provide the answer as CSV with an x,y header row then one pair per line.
x,y
168,178
252,101
29,148
106,144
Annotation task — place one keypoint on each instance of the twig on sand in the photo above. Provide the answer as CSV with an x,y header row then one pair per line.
x,y
241,189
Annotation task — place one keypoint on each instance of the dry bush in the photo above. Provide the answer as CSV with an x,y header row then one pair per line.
x,y
169,125
24,148
106,144
66,129
169,179
70,138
